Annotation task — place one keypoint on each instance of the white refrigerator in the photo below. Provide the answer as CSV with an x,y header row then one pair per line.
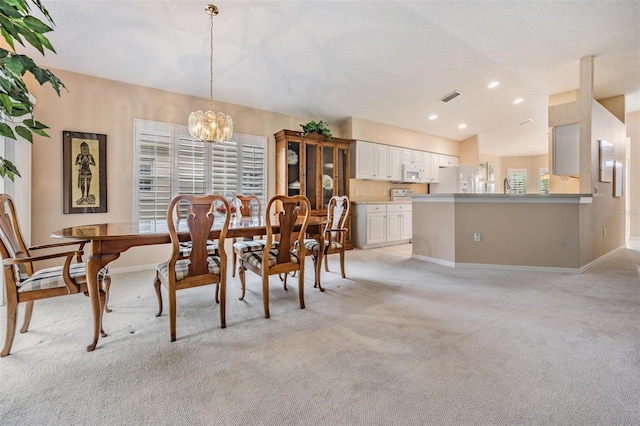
x,y
455,180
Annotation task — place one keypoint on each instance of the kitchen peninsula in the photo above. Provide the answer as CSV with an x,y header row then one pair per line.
x,y
529,231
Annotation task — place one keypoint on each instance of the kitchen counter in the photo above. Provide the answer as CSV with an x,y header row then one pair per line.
x,y
505,198
521,231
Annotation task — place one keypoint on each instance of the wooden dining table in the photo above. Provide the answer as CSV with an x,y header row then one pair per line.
x,y
109,240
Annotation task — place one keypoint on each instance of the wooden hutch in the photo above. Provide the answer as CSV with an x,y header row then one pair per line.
x,y
313,166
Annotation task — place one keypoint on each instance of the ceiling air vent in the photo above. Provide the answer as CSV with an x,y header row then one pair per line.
x,y
451,96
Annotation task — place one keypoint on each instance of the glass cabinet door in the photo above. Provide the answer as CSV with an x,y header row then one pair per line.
x,y
293,168
312,178
342,178
328,175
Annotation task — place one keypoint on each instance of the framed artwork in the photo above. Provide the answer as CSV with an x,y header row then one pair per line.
x,y
618,179
606,161
84,172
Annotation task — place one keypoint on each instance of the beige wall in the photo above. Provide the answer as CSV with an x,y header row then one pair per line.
x,y
633,169
103,106
365,130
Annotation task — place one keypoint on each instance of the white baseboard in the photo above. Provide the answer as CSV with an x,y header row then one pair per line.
x,y
518,267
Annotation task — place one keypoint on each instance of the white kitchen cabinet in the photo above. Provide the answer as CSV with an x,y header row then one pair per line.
x,y
364,160
397,225
377,161
448,161
413,156
432,167
381,224
395,163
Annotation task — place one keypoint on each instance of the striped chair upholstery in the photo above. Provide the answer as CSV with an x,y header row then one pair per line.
x,y
52,277
182,268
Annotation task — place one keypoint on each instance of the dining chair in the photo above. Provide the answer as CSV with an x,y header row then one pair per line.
x,y
24,283
334,234
197,266
249,207
185,246
283,259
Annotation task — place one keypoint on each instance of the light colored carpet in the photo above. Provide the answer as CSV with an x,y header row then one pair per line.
x,y
400,341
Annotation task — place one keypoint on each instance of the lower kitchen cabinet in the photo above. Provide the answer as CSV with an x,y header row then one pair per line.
x,y
381,224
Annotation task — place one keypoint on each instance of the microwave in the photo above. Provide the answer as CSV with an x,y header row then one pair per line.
x,y
412,172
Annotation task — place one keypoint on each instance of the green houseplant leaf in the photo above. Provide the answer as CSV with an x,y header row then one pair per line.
x,y
319,127
18,24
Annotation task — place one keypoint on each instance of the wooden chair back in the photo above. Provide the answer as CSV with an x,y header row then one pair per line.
x,y
289,212
13,245
199,221
249,205
337,214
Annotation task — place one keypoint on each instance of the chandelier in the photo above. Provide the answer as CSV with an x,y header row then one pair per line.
x,y
210,126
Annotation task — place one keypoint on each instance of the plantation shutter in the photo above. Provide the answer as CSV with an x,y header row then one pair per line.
x,y
517,180
167,162
153,187
224,168
192,167
253,163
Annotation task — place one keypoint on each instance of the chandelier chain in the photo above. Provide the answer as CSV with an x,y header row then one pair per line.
x,y
211,66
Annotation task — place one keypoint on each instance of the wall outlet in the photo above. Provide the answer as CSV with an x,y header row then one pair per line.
x,y
476,237
604,232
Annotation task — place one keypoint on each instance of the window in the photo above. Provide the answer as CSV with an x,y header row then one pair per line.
x,y
167,162
517,180
543,180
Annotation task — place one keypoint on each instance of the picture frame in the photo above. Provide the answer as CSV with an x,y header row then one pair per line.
x,y
618,179
606,161
84,176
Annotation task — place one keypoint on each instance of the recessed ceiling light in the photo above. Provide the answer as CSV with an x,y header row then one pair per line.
x,y
462,126
493,84
517,101
433,116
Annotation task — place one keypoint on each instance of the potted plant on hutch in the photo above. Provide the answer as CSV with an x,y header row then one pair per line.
x,y
319,127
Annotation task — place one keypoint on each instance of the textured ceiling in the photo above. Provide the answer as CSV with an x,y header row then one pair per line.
x,y
389,62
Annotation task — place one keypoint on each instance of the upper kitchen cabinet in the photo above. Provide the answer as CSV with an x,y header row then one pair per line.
x,y
376,161
312,166
448,161
432,167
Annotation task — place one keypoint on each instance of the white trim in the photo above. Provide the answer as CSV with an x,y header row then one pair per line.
x,y
434,260
518,267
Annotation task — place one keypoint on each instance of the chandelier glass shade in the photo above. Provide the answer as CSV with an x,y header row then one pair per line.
x,y
210,126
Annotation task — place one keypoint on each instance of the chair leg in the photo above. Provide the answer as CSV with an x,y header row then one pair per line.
x,y
326,262
317,268
27,316
157,284
284,281
342,264
235,258
12,318
265,293
241,270
223,302
217,293
301,287
106,281
172,312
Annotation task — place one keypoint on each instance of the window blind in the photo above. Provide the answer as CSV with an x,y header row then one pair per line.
x,y
167,161
517,180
